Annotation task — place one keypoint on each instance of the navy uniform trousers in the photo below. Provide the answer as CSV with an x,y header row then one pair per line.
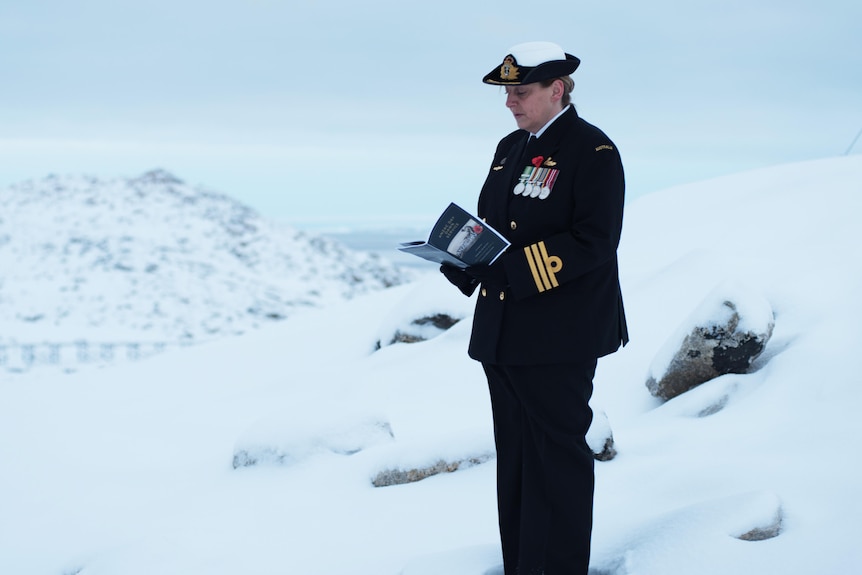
x,y
545,477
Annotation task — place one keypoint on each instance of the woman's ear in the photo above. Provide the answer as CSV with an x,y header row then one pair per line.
x,y
558,89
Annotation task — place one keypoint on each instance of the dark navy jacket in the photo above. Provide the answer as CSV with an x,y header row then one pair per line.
x,y
563,301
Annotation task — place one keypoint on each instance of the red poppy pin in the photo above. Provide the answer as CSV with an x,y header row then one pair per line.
x,y
537,161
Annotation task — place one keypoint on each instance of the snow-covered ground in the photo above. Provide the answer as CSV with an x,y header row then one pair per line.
x,y
129,469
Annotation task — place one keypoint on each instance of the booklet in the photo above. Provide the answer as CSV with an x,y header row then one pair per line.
x,y
459,239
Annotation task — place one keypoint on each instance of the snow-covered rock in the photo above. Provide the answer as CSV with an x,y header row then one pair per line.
x,y
398,476
600,437
725,522
151,258
286,441
413,461
432,307
725,334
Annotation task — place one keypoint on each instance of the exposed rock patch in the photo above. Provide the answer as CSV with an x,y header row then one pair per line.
x,y
771,520
397,476
422,329
724,335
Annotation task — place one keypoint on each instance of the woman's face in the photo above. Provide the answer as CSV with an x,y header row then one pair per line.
x,y
533,105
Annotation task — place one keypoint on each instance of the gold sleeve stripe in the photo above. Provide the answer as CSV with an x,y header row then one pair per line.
x,y
543,267
532,263
542,282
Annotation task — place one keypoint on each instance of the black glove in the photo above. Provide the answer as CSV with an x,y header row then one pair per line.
x,y
493,275
460,279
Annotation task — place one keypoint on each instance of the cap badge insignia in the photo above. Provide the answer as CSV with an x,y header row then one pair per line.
x,y
508,71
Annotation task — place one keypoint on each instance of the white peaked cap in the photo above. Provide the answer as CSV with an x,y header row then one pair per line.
x,y
535,53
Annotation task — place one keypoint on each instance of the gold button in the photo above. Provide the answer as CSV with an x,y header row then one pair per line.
x,y
502,295
513,224
484,292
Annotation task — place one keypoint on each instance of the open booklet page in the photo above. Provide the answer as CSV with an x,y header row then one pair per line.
x,y
460,239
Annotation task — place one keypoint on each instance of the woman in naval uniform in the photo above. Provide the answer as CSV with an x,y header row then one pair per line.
x,y
547,309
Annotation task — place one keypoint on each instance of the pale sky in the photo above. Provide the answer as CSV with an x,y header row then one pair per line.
x,y
360,112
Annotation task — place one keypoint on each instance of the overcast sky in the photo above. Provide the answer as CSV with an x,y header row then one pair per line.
x,y
359,112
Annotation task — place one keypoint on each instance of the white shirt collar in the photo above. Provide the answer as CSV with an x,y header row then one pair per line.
x,y
551,121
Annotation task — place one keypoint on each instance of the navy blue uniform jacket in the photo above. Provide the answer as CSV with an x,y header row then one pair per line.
x,y
563,302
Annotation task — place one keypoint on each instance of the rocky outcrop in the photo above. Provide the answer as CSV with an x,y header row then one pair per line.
x,y
398,476
724,335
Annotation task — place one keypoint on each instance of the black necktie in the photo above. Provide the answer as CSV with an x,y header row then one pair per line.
x,y
530,141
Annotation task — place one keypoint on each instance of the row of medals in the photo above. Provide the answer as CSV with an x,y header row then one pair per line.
x,y
535,182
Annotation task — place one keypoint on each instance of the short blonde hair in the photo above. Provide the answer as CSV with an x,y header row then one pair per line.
x,y
568,86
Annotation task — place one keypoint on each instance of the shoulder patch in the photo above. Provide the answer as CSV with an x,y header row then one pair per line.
x,y
604,147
